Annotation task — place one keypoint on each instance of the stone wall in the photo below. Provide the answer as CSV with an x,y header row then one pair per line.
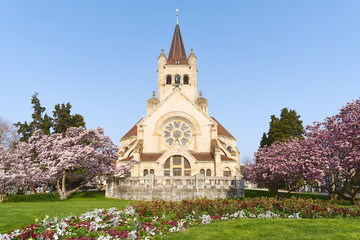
x,y
153,187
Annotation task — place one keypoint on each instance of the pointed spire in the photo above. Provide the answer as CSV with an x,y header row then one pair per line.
x,y
177,54
177,16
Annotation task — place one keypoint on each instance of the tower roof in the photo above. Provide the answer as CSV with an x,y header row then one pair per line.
x,y
177,54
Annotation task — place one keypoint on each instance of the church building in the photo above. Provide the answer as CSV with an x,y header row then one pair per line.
x,y
177,137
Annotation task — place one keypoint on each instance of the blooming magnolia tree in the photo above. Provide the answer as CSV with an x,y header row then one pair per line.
x,y
68,161
27,167
284,165
337,144
78,157
6,177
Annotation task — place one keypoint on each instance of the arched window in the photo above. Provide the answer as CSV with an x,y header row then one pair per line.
x,y
229,148
146,172
227,172
177,166
186,79
167,167
152,171
208,172
168,80
177,79
202,172
125,149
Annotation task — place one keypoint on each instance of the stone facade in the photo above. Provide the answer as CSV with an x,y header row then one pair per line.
x,y
177,137
174,188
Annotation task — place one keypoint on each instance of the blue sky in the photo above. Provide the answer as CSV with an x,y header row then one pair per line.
x,y
254,58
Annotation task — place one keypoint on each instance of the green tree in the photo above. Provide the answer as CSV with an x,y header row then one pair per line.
x,y
63,118
38,121
286,127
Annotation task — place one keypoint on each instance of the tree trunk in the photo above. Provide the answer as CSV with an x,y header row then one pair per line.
x,y
1,197
32,186
62,190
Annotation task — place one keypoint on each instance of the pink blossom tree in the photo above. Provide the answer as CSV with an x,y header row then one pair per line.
x,y
6,177
337,145
73,160
284,165
27,167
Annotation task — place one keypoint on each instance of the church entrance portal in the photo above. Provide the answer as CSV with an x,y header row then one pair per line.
x,y
177,166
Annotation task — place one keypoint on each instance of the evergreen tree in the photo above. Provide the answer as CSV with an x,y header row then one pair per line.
x,y
287,127
38,121
64,120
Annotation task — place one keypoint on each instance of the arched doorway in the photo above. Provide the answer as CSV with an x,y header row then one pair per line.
x,y
177,165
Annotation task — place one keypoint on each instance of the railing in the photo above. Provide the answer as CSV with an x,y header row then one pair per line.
x,y
197,180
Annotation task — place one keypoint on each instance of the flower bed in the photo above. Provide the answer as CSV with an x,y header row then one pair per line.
x,y
156,219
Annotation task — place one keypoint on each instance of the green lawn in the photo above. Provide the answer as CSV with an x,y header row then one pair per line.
x,y
274,229
21,211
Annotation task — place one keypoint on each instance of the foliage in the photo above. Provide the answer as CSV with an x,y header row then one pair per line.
x,y
61,121
38,121
287,127
284,207
64,120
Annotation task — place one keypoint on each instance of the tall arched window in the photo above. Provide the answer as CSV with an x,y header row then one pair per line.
x,y
168,80
177,166
202,172
177,79
146,172
186,79
229,148
208,172
152,171
227,172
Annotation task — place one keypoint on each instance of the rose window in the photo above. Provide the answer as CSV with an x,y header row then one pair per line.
x,y
177,131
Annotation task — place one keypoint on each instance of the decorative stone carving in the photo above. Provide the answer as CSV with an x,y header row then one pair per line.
x,y
177,131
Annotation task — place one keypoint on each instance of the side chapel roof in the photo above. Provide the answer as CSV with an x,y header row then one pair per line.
x,y
221,130
132,131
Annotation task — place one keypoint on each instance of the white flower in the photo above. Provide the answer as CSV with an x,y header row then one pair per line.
x,y
268,214
105,237
205,219
132,235
94,225
129,210
295,215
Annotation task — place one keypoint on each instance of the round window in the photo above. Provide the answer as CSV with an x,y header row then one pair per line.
x,y
177,131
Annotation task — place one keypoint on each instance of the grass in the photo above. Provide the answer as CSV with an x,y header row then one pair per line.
x,y
21,211
274,229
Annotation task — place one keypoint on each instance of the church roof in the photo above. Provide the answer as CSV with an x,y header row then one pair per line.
x,y
132,131
150,156
177,49
209,157
221,130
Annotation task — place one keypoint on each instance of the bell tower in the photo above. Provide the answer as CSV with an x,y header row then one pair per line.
x,y
177,70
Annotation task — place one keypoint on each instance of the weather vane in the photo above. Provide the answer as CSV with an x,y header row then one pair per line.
x,y
177,16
